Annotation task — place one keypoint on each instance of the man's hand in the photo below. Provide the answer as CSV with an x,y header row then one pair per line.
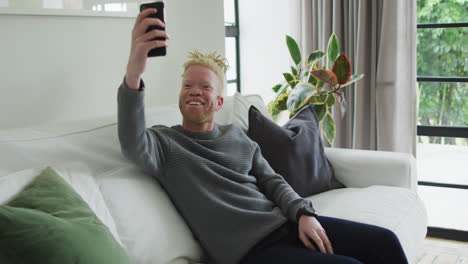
x,y
310,228
142,43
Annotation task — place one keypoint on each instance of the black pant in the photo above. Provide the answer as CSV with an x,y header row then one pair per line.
x,y
352,242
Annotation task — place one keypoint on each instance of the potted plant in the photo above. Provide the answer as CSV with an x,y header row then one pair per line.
x,y
311,82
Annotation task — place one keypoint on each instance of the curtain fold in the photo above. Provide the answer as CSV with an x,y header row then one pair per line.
x,y
379,37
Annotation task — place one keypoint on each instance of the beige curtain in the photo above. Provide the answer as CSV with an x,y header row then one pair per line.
x,y
379,37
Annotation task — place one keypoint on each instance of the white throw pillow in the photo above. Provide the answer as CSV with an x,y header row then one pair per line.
x,y
225,115
242,105
76,174
148,224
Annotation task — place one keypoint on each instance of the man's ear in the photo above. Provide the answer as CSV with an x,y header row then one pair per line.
x,y
220,101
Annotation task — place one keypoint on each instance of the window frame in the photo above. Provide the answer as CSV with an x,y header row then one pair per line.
x,y
232,31
443,131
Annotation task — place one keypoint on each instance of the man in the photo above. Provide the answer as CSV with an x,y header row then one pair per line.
x,y
239,209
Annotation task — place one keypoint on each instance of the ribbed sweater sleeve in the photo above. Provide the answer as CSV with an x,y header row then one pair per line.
x,y
138,144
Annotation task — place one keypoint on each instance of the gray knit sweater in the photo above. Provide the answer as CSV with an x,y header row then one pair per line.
x,y
219,182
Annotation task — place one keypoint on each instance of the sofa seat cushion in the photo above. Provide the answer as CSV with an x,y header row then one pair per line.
x,y
394,208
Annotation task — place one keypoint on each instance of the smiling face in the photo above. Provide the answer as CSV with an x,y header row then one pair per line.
x,y
199,98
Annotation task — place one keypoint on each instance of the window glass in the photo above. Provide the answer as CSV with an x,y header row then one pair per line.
x,y
231,89
229,13
231,48
442,159
231,57
442,11
443,104
443,52
445,207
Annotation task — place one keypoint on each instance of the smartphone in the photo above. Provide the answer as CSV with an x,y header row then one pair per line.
x,y
160,14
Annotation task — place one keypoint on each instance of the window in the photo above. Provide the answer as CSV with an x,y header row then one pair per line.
x,y
442,67
231,25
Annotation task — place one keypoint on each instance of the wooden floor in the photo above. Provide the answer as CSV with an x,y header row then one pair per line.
x,y
439,251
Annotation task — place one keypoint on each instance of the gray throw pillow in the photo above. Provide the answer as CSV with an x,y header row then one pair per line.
x,y
295,150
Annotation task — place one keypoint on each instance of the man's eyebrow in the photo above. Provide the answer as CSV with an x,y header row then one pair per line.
x,y
202,81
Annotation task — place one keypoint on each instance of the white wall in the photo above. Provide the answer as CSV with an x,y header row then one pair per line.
x,y
69,67
264,55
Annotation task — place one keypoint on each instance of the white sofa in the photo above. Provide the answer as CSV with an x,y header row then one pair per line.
x,y
381,186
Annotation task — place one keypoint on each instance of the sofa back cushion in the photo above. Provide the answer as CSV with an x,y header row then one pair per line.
x,y
147,222
235,110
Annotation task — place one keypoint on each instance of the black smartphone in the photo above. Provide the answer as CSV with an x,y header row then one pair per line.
x,y
160,14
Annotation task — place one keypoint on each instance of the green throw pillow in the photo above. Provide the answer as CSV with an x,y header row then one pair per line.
x,y
48,222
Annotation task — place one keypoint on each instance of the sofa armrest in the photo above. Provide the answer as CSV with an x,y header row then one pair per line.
x,y
363,168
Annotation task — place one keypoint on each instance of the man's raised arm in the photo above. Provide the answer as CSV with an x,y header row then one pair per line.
x,y
138,144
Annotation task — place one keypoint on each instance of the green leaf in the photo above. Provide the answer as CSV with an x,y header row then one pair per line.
x,y
305,102
282,90
294,71
325,75
276,88
299,95
320,85
315,55
288,77
333,48
312,80
328,127
291,79
280,102
319,99
342,69
315,66
273,111
294,50
331,100
354,78
321,111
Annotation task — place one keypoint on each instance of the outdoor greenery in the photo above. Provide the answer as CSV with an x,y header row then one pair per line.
x,y
442,52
